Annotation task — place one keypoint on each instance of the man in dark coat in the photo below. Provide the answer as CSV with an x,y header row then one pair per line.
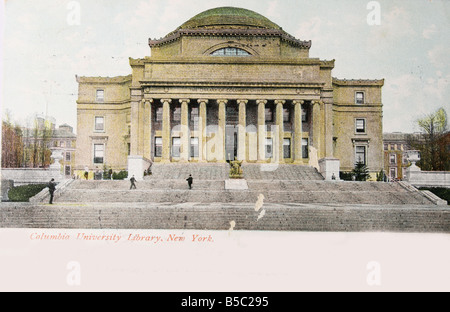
x,y
51,190
133,181
190,180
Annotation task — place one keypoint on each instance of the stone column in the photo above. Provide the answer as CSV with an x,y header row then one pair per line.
x,y
202,130
148,128
298,132
185,133
166,131
222,129
261,130
316,125
242,136
328,115
278,148
134,128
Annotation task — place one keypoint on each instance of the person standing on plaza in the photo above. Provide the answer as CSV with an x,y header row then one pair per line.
x,y
51,190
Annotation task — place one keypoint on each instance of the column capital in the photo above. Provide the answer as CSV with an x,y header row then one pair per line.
x,y
301,102
280,102
200,101
166,101
184,101
261,102
222,101
241,101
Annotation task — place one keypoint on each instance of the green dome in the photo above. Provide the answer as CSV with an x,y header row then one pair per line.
x,y
229,16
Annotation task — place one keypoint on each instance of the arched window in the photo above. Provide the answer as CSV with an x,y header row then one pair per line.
x,y
230,52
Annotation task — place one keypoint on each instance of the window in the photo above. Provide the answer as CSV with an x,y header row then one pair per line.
x,y
393,173
100,96
176,147
287,148
304,115
99,153
393,159
360,154
177,114
67,170
194,148
360,98
68,156
99,124
159,114
360,126
269,148
269,115
158,147
305,149
230,52
286,115
386,147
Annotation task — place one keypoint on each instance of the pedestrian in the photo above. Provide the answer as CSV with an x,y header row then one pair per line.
x,y
133,183
51,190
190,180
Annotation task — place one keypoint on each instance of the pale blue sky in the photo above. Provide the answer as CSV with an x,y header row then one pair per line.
x,y
42,51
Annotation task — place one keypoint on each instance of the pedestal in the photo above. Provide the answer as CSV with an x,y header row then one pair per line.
x,y
137,165
329,168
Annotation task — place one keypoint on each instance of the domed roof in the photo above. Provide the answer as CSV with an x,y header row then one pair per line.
x,y
229,16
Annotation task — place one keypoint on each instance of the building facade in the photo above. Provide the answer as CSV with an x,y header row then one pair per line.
x,y
228,84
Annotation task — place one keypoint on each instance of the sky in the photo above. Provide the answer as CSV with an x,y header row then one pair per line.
x,y
46,43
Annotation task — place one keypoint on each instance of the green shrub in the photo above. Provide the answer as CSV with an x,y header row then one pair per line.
x,y
122,175
25,192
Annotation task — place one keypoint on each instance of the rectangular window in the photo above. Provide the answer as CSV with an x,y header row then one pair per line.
x,y
305,148
194,148
158,147
393,159
287,148
99,153
304,115
386,147
393,173
159,114
99,124
177,114
269,148
286,115
360,155
195,114
360,126
67,170
360,98
100,96
176,147
269,115
68,156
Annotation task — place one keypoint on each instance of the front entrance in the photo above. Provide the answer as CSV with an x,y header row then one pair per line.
x,y
231,142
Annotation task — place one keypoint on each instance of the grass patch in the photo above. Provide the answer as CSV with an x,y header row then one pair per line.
x,y
25,192
441,192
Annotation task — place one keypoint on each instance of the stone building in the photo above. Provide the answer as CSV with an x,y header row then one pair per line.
x,y
229,84
395,155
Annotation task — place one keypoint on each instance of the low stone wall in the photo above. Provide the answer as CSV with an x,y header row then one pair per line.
x,y
25,176
429,178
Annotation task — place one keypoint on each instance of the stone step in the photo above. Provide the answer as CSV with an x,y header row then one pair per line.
x,y
218,217
250,196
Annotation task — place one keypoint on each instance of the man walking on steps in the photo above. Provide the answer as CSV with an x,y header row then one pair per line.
x,y
133,183
51,190
190,180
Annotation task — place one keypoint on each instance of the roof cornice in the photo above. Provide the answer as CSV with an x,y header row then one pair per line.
x,y
176,35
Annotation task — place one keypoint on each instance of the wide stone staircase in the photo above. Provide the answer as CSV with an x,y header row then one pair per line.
x,y
283,184
284,198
